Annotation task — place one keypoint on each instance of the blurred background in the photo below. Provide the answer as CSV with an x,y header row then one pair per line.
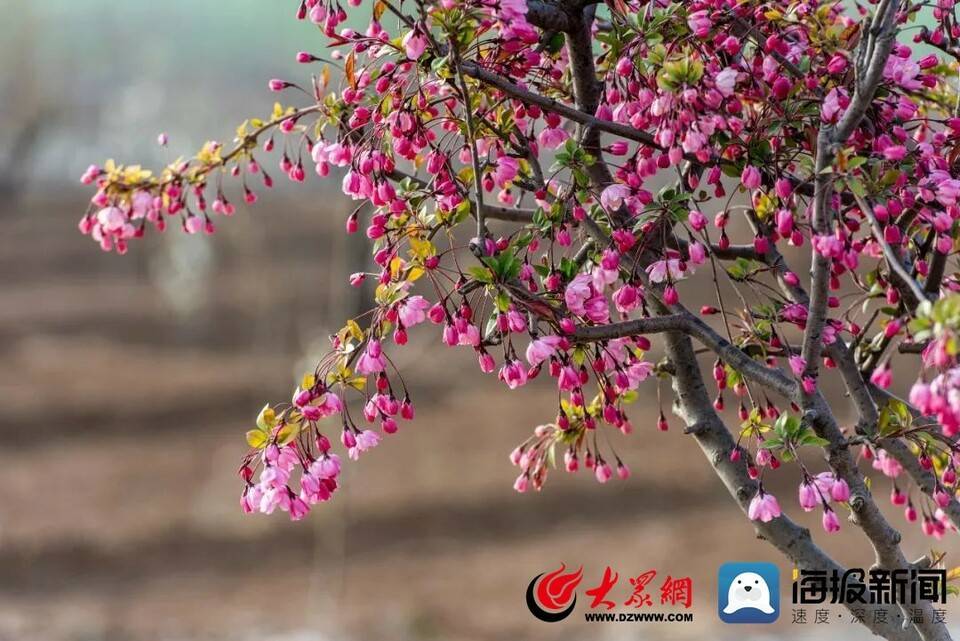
x,y
128,383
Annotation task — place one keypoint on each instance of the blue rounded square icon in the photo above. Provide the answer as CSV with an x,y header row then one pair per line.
x,y
748,593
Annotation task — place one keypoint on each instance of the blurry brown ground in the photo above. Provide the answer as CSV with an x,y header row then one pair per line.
x,y
123,413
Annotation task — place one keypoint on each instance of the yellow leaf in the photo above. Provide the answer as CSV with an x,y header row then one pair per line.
x,y
421,249
287,433
354,329
267,419
395,266
324,77
308,381
257,439
348,70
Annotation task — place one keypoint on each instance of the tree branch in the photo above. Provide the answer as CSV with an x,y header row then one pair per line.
x,y
586,90
547,15
907,282
693,405
571,113
687,323
636,327
496,212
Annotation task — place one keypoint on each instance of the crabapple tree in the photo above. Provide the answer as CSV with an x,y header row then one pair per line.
x,y
545,181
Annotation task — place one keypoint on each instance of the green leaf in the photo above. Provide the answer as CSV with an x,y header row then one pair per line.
x,y
856,186
552,455
813,440
787,426
772,443
481,274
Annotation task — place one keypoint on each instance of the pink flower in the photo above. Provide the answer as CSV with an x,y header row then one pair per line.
x,y
941,497
602,472
697,220
618,148
670,295
763,507
413,310
569,379
833,105
365,440
895,152
372,360
828,245
552,137
784,220
725,81
837,64
513,10
824,482
111,219
830,522
626,299
798,364
507,169
948,191
794,312
750,177
808,496
902,71
882,377
637,373
298,509
583,299
414,44
514,374
888,465
698,253
522,483
469,335
840,491
327,467
486,362
783,188
700,23
613,196
578,291
543,348
660,270
326,404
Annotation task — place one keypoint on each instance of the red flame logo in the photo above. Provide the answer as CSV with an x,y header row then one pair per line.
x,y
554,591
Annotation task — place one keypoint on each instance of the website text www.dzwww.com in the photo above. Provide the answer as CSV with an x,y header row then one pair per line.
x,y
638,617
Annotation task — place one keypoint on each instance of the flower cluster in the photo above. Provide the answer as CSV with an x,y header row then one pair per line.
x,y
449,119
